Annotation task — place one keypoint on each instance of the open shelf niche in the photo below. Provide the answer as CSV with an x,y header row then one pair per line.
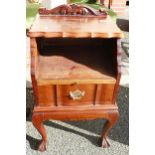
x,y
78,58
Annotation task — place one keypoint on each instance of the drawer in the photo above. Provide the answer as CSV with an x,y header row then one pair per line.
x,y
46,95
75,94
71,95
104,95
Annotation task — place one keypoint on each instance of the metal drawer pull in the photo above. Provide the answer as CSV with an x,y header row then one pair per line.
x,y
77,94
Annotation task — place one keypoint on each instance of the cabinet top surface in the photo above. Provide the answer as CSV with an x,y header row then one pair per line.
x,y
74,27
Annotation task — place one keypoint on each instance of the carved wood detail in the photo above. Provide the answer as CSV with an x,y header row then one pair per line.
x,y
74,10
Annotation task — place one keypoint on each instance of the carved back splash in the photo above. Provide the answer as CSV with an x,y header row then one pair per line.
x,y
73,10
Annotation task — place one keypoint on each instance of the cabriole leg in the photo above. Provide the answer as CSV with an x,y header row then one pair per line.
x,y
110,122
37,121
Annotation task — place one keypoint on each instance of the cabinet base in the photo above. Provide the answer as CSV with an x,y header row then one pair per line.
x,y
111,116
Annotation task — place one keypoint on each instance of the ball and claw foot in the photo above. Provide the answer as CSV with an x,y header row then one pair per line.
x,y
42,146
105,143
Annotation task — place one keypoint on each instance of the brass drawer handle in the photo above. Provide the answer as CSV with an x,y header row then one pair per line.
x,y
77,94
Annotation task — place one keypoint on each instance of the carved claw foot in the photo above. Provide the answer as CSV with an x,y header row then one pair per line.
x,y
42,146
105,143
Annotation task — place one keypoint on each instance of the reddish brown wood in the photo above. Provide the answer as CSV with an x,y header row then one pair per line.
x,y
44,99
78,115
111,117
105,94
34,61
110,122
65,68
118,66
87,99
98,94
73,27
37,120
58,95
74,79
70,10
77,107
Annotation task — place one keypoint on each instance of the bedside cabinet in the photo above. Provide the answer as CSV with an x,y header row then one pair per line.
x,y
75,71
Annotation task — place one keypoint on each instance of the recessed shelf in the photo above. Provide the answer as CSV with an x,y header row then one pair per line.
x,y
90,61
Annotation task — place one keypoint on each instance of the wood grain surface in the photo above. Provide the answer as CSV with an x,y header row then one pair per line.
x,y
67,61
70,54
74,27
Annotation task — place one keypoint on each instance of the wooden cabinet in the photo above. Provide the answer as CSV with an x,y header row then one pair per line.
x,y
75,70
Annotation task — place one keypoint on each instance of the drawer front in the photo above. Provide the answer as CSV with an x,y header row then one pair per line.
x,y
104,94
75,95
46,95
71,95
